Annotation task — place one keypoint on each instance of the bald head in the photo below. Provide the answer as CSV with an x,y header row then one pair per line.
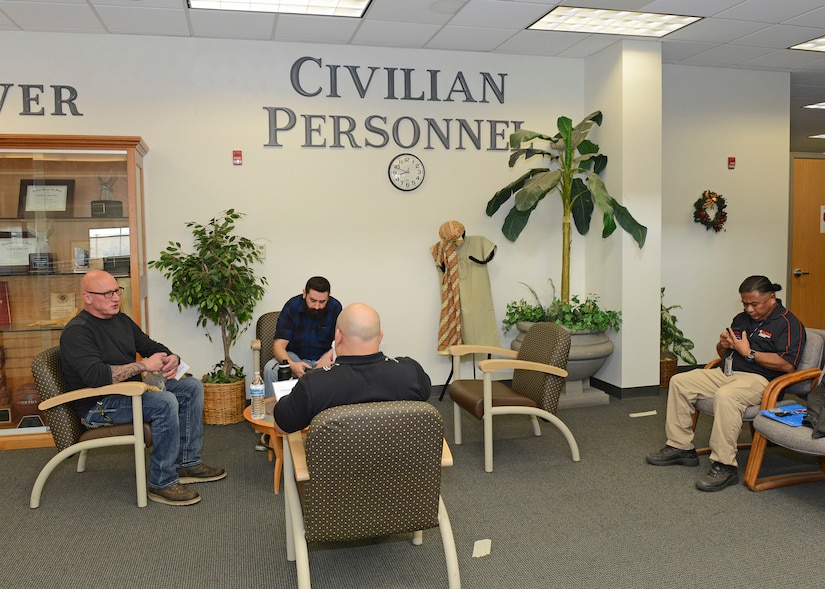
x,y
94,285
358,331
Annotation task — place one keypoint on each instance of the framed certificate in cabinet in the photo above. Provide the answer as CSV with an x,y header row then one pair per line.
x,y
46,198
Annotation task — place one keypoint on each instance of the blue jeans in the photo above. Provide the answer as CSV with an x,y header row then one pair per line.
x,y
176,420
271,372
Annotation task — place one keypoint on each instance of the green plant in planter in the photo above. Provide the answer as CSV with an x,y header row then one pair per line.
x,y
567,161
671,338
217,279
575,315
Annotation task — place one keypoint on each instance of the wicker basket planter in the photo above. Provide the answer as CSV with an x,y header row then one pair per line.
x,y
667,367
223,404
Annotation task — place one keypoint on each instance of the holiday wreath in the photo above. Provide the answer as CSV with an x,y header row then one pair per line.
x,y
710,201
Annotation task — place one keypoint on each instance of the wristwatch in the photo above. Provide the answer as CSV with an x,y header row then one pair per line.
x,y
751,357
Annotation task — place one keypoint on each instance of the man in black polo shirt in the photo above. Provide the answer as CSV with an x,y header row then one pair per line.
x,y
360,374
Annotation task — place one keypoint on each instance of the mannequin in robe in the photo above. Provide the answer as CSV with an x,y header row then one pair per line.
x,y
467,313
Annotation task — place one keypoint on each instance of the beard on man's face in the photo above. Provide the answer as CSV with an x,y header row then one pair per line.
x,y
314,313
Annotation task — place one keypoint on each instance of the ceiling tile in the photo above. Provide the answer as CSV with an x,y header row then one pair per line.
x,y
409,12
715,30
690,7
152,21
539,42
727,55
784,59
469,38
325,29
780,36
394,34
679,50
815,18
499,15
770,11
42,16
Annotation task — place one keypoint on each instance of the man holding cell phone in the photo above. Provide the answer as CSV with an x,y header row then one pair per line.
x,y
763,342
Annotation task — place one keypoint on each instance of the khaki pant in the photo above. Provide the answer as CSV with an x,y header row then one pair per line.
x,y
731,396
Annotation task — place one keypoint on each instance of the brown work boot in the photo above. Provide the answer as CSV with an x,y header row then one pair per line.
x,y
176,494
200,473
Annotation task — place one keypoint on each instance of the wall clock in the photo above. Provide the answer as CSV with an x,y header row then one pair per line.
x,y
406,172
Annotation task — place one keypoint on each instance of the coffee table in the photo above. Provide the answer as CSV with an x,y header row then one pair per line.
x,y
267,426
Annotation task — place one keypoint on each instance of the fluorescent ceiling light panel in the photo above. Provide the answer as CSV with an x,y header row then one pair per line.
x,y
812,45
816,136
611,22
817,105
347,8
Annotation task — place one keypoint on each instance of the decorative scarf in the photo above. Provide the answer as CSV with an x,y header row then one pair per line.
x,y
445,256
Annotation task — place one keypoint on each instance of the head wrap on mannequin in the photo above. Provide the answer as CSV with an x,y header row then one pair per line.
x,y
445,256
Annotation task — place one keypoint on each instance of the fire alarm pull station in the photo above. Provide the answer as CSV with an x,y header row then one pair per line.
x,y
731,163
237,157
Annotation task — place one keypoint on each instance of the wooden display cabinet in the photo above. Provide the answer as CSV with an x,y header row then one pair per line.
x,y
68,203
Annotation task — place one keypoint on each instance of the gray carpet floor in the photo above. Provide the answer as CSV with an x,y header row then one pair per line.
x,y
610,520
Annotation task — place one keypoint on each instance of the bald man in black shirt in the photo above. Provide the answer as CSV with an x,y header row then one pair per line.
x,y
360,374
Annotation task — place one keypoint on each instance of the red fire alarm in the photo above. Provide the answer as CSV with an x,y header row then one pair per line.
x,y
731,163
237,157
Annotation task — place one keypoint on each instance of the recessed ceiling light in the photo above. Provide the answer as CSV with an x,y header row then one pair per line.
x,y
812,45
350,8
611,22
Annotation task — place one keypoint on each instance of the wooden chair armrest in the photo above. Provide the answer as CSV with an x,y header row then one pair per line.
x,y
713,363
777,385
256,344
299,456
129,388
446,455
503,364
464,349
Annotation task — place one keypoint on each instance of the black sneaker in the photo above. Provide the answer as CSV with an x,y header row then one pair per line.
x,y
718,477
669,455
176,494
200,474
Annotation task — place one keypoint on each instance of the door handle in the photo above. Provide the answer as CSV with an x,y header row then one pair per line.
x,y
797,272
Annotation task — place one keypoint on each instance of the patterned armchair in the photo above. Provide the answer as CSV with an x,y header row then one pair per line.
x,y
367,470
538,380
68,432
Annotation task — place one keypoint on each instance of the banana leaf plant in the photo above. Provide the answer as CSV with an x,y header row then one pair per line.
x,y
571,166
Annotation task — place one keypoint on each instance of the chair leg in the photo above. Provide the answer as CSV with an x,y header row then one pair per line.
x,y
81,461
755,458
448,540
418,538
536,427
296,545
488,441
457,423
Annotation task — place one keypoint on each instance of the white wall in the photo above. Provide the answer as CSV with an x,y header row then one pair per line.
x,y
709,115
333,211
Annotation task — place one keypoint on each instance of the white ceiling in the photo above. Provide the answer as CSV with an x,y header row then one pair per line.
x,y
752,34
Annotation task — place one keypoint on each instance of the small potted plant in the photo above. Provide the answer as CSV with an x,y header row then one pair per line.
x,y
673,343
217,279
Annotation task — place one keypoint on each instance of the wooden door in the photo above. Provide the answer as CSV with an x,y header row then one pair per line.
x,y
807,261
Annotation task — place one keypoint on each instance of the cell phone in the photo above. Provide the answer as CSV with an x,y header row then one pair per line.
x,y
737,333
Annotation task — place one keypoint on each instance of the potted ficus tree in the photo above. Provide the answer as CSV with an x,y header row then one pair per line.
x,y
673,344
217,279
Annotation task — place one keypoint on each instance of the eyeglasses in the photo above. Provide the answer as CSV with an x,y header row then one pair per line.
x,y
109,293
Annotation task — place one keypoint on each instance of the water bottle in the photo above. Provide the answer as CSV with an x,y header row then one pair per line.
x,y
256,395
284,371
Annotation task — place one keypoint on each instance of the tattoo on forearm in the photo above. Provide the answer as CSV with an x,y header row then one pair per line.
x,y
121,373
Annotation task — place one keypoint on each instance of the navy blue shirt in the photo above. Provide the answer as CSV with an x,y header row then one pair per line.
x,y
309,337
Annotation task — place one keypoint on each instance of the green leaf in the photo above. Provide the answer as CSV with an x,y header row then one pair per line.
x,y
514,223
536,188
581,206
503,195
